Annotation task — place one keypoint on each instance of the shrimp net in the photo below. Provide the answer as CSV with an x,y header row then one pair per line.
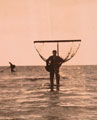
x,y
66,49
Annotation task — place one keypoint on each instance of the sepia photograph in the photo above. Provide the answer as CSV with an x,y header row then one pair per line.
x,y
48,61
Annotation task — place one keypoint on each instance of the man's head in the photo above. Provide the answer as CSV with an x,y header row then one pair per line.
x,y
54,52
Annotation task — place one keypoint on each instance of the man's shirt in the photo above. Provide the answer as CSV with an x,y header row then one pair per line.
x,y
54,62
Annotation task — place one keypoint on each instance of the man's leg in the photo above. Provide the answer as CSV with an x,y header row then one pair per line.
x,y
52,80
12,70
57,80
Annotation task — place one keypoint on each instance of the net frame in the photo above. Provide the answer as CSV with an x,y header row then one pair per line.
x,y
68,57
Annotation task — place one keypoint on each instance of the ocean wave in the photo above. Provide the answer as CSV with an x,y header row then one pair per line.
x,y
29,78
36,78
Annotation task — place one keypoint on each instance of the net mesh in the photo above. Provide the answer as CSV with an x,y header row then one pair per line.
x,y
65,49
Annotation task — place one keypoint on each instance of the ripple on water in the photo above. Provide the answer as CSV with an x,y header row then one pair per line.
x,y
22,98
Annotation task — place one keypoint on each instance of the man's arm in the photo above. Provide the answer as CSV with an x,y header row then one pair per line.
x,y
47,61
61,60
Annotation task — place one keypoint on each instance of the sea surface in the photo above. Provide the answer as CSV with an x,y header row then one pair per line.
x,y
25,94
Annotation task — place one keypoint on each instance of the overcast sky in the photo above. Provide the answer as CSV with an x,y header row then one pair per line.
x,y
23,21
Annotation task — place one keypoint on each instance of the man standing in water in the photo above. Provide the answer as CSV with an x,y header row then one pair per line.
x,y
53,64
12,67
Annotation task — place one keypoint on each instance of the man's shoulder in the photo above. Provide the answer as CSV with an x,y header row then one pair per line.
x,y
58,57
50,56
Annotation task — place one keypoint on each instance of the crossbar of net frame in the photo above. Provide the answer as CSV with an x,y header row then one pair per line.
x,y
49,41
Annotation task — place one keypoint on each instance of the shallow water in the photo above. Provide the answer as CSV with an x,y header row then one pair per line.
x,y
25,94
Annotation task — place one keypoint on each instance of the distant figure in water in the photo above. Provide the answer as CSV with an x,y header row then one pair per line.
x,y
53,64
12,67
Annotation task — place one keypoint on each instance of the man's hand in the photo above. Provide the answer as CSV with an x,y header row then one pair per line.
x,y
60,64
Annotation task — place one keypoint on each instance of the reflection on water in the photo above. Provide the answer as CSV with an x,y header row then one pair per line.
x,y
23,98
